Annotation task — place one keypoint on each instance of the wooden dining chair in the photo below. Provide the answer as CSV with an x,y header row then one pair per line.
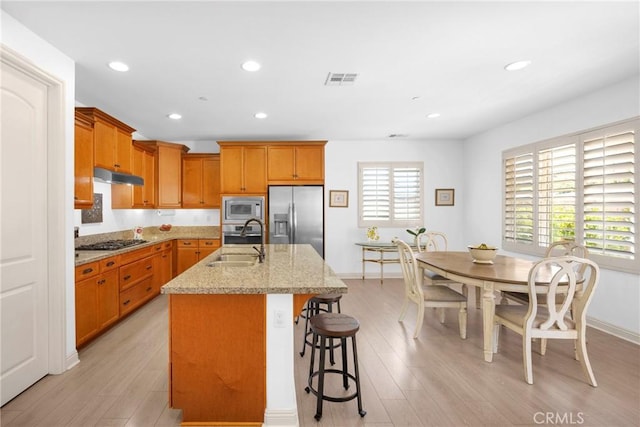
x,y
431,241
569,288
559,248
439,297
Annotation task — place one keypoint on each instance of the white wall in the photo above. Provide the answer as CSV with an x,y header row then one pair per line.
x,y
616,302
21,40
442,169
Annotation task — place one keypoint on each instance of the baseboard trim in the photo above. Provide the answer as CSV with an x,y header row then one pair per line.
x,y
72,360
281,418
614,330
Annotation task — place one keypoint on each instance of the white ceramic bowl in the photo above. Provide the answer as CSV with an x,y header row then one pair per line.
x,y
483,255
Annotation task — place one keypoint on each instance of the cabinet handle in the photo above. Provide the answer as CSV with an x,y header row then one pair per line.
x,y
126,302
101,282
149,288
149,267
187,243
208,243
110,263
159,248
75,197
87,270
127,277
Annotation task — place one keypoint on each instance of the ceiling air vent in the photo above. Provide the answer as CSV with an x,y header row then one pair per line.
x,y
340,79
398,135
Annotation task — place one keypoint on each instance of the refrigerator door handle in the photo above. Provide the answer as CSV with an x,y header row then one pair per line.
x,y
294,222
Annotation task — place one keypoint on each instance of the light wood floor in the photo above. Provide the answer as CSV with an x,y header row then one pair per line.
x,y
437,380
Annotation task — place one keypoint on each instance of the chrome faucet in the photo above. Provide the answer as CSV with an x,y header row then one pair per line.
x,y
261,253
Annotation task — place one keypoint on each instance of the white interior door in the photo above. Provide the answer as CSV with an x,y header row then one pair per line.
x,y
23,222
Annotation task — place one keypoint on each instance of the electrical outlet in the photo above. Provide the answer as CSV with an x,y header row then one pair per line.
x,y
278,319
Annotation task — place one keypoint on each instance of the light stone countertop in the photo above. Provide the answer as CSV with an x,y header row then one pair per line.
x,y
151,234
287,269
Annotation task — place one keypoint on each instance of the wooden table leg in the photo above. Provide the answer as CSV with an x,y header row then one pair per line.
x,y
488,310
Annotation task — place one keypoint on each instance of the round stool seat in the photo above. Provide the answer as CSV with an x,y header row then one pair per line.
x,y
326,298
334,325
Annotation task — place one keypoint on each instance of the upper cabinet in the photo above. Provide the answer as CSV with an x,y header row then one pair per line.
x,y
243,167
111,139
201,181
138,196
167,172
296,162
83,162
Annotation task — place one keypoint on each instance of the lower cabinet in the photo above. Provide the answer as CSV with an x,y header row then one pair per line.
x,y
97,298
136,281
190,251
162,264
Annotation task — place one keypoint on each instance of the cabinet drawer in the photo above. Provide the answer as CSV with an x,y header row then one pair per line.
x,y
209,243
108,264
136,295
87,270
128,257
188,243
134,272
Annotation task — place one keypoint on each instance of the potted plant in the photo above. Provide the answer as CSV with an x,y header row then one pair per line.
x,y
416,234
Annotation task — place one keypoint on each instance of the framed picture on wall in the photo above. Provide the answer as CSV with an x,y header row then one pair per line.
x,y
338,198
445,196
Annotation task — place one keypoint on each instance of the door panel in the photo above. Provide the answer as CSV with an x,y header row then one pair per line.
x,y
23,222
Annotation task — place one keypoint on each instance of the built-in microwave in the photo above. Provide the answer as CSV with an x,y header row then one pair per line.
x,y
237,209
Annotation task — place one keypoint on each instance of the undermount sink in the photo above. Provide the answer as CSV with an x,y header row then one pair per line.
x,y
234,260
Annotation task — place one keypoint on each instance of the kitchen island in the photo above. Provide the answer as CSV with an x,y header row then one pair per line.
x,y
231,344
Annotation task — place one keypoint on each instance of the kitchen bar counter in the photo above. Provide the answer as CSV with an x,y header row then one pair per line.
x,y
231,349
287,269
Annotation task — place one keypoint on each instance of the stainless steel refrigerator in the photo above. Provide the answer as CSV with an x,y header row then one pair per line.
x,y
296,215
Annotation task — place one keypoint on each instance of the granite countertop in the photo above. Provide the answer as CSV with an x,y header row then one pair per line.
x,y
287,269
152,235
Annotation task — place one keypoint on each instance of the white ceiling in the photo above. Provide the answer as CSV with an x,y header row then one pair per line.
x,y
450,54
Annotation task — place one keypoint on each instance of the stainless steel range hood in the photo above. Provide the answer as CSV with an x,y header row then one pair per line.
x,y
111,177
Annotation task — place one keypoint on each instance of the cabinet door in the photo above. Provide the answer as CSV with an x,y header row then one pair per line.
x,y
187,257
309,165
169,176
281,162
86,309
192,169
255,170
211,182
231,169
104,140
138,169
108,298
83,166
206,247
123,151
148,189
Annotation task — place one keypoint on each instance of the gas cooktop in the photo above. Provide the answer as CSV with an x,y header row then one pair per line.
x,y
110,245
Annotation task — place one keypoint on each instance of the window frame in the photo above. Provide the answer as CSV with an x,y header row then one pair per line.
x,y
536,247
392,222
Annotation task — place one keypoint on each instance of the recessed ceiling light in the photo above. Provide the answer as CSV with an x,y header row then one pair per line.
x,y
203,98
415,98
251,66
515,66
118,66
175,116
433,115
260,115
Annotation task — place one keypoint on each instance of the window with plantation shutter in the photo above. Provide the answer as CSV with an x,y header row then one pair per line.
x,y
390,194
518,198
580,187
609,196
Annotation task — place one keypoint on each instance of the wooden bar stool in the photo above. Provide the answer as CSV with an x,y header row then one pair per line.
x,y
314,306
329,326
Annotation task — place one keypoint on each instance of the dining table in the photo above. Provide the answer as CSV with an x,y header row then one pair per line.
x,y
504,273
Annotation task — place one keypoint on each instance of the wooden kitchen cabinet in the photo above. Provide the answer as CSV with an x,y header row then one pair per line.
x,y
167,172
97,298
190,251
201,181
243,167
295,162
137,196
111,139
163,264
136,279
83,162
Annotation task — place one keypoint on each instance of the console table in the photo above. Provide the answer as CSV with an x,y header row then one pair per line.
x,y
380,249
